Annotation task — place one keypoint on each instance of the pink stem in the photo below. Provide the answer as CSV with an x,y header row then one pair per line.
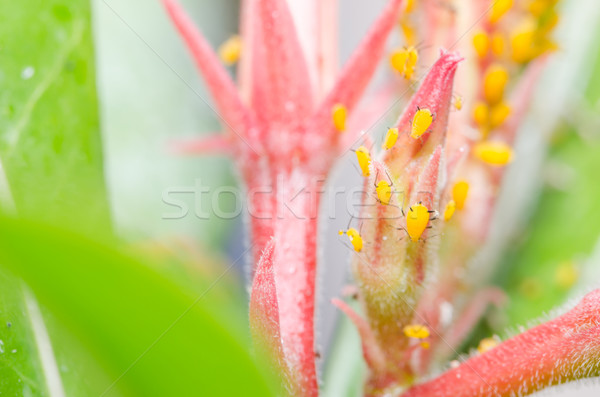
x,y
560,350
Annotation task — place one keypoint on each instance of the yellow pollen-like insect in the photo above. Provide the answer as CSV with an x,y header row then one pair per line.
x,y
498,114
459,194
384,192
364,160
481,115
499,8
354,237
404,61
494,83
493,153
338,115
486,344
481,43
417,331
421,122
498,45
417,219
390,138
458,102
449,211
231,50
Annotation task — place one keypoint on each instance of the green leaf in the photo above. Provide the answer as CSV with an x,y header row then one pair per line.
x,y
20,369
49,130
144,334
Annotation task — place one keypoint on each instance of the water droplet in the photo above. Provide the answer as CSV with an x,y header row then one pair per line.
x,y
8,325
384,238
1,346
27,73
13,351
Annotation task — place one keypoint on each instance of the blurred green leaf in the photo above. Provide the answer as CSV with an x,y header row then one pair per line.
x,y
538,272
20,369
50,153
143,331
49,130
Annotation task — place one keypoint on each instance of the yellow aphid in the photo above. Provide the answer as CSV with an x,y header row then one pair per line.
x,y
499,8
410,34
421,122
538,7
523,46
449,211
338,115
354,237
411,62
404,61
498,44
494,83
566,275
417,331
458,102
493,153
398,60
425,345
481,43
417,219
459,194
390,138
364,160
231,50
384,192
486,345
498,115
481,114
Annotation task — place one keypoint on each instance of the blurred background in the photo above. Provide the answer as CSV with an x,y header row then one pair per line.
x,y
149,95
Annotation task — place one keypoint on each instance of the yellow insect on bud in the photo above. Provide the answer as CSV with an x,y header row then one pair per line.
x,y
421,122
494,83
458,102
417,219
487,344
390,138
493,153
499,8
404,61
417,331
411,63
459,194
231,50
522,46
498,44
481,43
498,115
481,114
354,237
409,31
384,192
449,211
338,115
398,60
364,160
